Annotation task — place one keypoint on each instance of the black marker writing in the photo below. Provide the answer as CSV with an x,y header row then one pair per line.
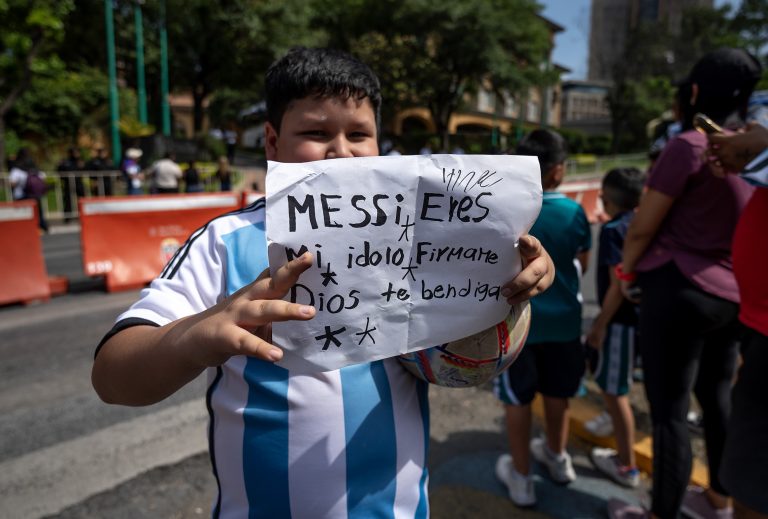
x,y
455,178
463,209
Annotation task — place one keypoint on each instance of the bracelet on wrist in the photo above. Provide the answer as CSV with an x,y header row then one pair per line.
x,y
624,276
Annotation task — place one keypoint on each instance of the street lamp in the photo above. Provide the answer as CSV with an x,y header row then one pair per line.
x,y
140,84
114,109
166,109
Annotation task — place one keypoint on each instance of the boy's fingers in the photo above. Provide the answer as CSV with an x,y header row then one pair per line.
x,y
271,287
287,275
529,247
254,346
532,280
263,311
536,276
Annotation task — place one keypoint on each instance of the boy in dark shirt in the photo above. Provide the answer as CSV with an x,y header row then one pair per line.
x,y
613,330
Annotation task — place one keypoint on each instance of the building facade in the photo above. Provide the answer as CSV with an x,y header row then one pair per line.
x,y
612,20
585,107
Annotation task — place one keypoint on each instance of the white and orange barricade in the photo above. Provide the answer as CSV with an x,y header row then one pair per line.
x,y
586,193
23,277
129,239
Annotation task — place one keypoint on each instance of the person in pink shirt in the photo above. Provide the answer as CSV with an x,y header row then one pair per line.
x,y
678,251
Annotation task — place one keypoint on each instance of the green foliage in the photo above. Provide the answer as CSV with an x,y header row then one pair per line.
x,y
229,44
751,23
59,103
31,29
643,88
575,139
226,104
633,103
431,52
13,143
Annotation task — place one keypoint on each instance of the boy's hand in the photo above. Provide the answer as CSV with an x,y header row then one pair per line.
x,y
537,274
241,323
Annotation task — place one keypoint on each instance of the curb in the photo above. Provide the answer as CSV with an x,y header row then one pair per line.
x,y
581,411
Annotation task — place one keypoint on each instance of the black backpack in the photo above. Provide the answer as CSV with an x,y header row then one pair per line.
x,y
35,186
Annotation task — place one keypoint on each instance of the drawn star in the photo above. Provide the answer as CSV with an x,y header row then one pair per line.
x,y
409,269
366,332
330,337
405,227
328,276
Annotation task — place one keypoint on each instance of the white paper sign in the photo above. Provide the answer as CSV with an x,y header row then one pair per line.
x,y
410,251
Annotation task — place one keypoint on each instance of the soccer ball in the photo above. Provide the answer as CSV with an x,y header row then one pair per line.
x,y
476,359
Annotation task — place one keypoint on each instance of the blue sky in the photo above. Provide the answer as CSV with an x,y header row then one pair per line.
x,y
572,45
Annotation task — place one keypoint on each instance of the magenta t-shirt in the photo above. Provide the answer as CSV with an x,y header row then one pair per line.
x,y
697,232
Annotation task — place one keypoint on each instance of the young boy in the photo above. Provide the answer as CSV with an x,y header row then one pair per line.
x,y
350,442
552,361
613,330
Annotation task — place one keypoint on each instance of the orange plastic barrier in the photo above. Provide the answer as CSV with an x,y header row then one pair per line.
x,y
23,277
129,239
588,195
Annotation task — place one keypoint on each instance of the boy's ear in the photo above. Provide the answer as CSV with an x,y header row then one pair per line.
x,y
270,141
558,172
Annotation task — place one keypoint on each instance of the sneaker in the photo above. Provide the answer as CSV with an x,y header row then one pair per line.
x,y
697,506
618,509
601,425
520,487
695,422
559,465
607,462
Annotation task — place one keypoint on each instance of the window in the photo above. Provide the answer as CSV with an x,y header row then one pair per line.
x,y
486,101
533,111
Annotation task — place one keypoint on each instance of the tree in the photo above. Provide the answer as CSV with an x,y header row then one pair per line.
x,y
230,43
31,29
431,52
642,88
751,23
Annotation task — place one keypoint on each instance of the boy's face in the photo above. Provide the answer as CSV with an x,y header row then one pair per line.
x,y
323,128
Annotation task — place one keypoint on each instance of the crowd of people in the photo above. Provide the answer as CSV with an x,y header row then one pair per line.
x,y
672,282
680,275
166,175
78,178
678,278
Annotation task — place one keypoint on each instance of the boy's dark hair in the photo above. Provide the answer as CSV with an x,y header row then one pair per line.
x,y
318,72
623,187
548,146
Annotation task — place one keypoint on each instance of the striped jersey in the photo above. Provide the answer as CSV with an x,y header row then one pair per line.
x,y
350,443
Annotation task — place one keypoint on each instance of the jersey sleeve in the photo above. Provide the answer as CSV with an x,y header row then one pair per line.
x,y
192,281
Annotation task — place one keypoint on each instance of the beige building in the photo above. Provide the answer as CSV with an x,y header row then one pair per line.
x,y
182,112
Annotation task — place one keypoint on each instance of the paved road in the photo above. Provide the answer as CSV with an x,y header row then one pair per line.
x,y
65,454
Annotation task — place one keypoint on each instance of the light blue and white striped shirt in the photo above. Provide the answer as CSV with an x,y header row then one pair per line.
x,y
350,443
756,172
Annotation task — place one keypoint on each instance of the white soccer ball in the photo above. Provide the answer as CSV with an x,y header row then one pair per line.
x,y
476,359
